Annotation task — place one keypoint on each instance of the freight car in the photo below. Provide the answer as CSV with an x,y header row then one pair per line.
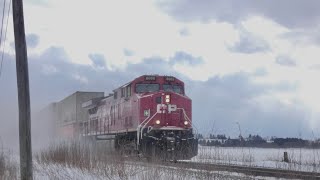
x,y
151,115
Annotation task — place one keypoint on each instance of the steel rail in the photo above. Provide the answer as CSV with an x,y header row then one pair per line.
x,y
250,170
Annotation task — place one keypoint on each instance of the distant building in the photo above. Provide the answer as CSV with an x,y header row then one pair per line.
x,y
270,141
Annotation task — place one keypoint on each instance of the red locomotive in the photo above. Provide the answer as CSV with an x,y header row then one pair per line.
x,y
150,114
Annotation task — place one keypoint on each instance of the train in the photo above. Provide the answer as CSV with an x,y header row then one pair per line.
x,y
150,115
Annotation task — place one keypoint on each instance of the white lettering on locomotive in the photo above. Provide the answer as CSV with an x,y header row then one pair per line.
x,y
172,107
161,108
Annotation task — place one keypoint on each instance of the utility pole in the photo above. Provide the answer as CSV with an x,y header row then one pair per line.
x,y
240,135
23,91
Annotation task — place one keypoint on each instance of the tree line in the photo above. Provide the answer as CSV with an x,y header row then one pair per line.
x,y
256,141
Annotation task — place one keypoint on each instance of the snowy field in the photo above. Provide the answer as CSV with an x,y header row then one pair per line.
x,y
109,167
300,159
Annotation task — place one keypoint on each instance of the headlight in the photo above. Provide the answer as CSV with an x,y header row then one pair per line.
x,y
186,122
157,122
168,98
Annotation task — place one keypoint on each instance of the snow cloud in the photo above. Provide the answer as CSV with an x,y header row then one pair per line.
x,y
32,40
98,60
248,43
285,61
185,58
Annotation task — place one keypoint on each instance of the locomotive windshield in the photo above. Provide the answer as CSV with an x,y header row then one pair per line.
x,y
174,88
141,88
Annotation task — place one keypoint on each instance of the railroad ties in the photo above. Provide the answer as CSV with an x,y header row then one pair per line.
x,y
254,171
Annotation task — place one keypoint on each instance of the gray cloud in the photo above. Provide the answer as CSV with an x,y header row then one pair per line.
x,y
32,40
128,52
249,44
181,57
184,32
285,61
284,86
290,13
220,102
260,72
98,60
53,55
303,36
152,65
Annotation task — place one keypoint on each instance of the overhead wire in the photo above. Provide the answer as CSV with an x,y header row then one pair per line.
x,y
5,35
3,11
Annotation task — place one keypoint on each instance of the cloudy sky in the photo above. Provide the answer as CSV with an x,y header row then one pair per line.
x,y
252,62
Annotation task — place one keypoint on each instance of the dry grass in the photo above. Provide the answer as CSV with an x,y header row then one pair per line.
x,y
8,169
219,155
93,159
87,158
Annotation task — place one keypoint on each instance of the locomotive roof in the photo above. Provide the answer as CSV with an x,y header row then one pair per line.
x,y
137,79
94,102
156,75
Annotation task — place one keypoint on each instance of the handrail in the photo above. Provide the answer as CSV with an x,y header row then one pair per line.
x,y
188,119
138,129
147,123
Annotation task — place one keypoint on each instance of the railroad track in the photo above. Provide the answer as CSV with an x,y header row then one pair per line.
x,y
254,171
247,170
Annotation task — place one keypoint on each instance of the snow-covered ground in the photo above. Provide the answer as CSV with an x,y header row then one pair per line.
x,y
134,171
301,159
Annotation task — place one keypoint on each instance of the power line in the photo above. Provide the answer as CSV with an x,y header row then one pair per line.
x,y
4,8
5,37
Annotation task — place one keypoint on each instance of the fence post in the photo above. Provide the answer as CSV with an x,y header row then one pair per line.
x,y
285,157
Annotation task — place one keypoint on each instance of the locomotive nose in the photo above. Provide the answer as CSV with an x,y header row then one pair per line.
x,y
172,110
166,110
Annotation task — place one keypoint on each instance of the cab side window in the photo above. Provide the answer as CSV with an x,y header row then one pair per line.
x,y
115,95
129,90
123,92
